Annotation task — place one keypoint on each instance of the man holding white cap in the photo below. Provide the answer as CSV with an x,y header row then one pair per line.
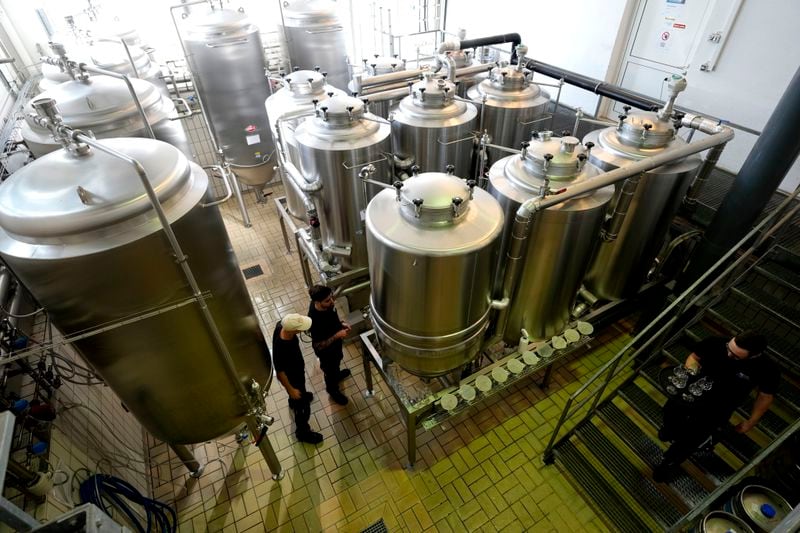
x,y
287,360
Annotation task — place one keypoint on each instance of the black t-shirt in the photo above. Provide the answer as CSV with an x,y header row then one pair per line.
x,y
287,358
733,379
324,325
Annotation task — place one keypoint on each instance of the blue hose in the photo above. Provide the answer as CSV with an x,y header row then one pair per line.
x,y
102,489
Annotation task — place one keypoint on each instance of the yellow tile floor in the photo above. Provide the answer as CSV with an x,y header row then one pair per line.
x,y
480,472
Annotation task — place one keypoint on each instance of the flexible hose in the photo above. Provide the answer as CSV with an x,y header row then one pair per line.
x,y
100,489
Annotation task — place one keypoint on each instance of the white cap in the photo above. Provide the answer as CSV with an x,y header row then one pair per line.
x,y
295,322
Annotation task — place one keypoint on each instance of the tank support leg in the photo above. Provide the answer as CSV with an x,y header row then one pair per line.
x,y
237,192
266,449
367,370
187,458
411,429
548,372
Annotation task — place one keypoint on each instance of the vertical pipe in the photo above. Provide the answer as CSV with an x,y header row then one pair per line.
x,y
709,163
770,159
188,459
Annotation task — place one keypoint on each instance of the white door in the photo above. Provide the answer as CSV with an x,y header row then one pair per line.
x,y
663,40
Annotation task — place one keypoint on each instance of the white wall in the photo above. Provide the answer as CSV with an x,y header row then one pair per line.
x,y
573,34
757,63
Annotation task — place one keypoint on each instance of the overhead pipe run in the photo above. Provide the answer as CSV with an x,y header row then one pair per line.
x,y
769,161
463,44
593,85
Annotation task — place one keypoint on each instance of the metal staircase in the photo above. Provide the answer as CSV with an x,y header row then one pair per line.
x,y
606,439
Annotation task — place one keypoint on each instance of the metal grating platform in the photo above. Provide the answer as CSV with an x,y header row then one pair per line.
x,y
690,491
629,476
599,490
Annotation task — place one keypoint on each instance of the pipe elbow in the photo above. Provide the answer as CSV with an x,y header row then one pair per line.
x,y
449,46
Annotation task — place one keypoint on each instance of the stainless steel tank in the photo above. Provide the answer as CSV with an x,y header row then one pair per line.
x,y
104,106
620,267
108,55
561,238
99,256
300,90
315,38
225,56
512,104
333,148
375,66
111,55
463,59
434,128
432,250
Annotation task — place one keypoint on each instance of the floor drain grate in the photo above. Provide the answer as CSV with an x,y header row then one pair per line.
x,y
377,527
252,272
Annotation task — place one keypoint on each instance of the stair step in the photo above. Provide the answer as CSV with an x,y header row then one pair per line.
x,y
768,304
689,490
598,489
776,277
640,487
741,446
762,288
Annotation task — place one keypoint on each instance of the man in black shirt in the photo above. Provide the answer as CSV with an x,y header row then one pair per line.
x,y
287,359
327,332
734,367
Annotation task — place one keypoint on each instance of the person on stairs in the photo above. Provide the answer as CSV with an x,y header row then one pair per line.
x,y
733,367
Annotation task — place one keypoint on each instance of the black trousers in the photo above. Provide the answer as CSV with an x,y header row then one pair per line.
x,y
329,363
302,413
688,428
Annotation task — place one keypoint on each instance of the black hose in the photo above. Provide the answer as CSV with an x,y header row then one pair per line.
x,y
602,88
512,38
101,488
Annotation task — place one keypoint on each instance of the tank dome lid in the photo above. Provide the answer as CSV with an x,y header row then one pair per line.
x,y
339,110
383,65
61,194
644,130
462,58
432,91
302,82
508,77
100,100
111,55
305,12
435,197
557,158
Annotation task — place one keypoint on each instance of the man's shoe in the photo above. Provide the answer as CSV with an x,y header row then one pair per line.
x,y
664,435
310,437
344,374
664,472
338,397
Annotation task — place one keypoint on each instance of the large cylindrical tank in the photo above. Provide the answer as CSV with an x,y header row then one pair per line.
x,y
333,147
434,128
111,55
432,251
512,104
225,56
315,38
376,66
300,90
561,238
620,267
463,59
104,106
98,256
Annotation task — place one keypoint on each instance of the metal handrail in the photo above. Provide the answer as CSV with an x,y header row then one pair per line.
x,y
675,309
